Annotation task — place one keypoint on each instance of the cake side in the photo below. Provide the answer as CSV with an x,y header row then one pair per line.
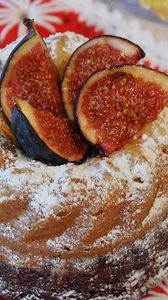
x,y
63,212
127,274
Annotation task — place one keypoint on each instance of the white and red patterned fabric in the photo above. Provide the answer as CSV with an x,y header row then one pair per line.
x,y
90,19
50,17
159,293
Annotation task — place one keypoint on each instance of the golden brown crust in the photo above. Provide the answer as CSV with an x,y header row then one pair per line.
x,y
113,201
5,128
79,213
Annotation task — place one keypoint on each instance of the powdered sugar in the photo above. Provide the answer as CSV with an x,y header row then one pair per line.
x,y
69,46
125,179
50,188
47,189
158,206
78,41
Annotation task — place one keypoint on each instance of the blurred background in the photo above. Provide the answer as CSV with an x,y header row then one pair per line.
x,y
142,21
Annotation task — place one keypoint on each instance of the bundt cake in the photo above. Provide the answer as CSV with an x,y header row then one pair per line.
x,y
94,230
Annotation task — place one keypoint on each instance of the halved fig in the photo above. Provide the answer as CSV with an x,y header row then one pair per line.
x,y
30,74
98,53
114,105
43,136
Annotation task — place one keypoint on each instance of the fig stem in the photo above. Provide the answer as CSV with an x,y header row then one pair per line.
x,y
29,23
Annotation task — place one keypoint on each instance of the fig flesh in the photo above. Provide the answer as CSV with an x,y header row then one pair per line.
x,y
98,53
30,74
114,105
43,136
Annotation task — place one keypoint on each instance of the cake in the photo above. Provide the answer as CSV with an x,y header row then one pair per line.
x,y
95,230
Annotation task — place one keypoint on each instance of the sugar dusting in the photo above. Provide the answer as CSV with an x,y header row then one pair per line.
x,y
69,46
49,190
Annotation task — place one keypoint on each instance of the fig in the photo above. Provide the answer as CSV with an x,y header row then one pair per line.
x,y
45,137
98,53
30,74
114,105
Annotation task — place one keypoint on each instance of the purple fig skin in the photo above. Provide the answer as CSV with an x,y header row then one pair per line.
x,y
29,141
33,146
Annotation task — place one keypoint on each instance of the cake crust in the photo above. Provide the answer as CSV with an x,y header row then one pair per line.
x,y
92,231
125,275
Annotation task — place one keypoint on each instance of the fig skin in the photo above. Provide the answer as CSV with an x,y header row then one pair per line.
x,y
23,72
30,142
147,75
137,54
43,136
